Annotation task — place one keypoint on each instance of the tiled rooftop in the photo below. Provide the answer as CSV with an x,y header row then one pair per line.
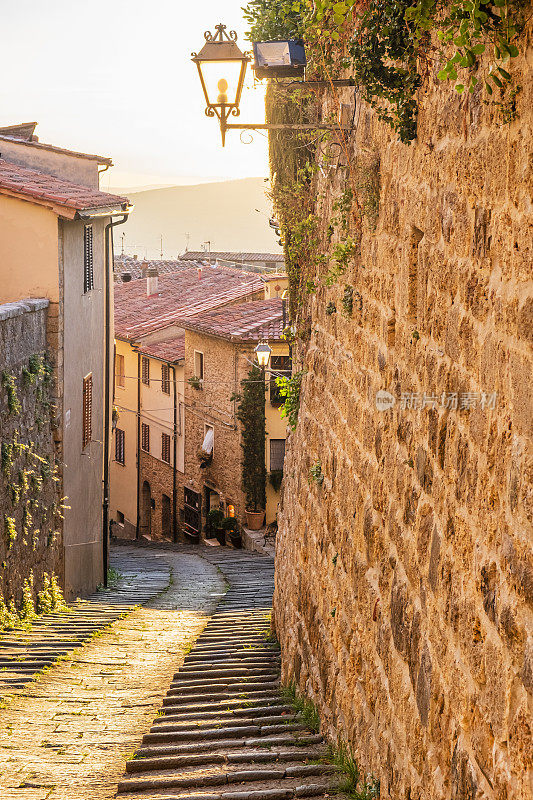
x,y
50,190
245,258
137,267
260,319
182,294
24,134
170,350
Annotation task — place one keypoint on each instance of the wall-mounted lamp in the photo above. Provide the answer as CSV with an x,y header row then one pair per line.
x,y
262,352
222,69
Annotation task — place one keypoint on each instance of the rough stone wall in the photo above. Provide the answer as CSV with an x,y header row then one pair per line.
x,y
30,513
159,476
224,368
404,582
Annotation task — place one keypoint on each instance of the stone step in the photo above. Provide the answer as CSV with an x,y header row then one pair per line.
x,y
222,777
222,745
224,732
272,698
244,760
223,714
238,692
219,722
219,684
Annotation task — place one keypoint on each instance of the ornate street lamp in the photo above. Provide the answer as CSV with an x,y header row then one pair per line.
x,y
262,352
222,69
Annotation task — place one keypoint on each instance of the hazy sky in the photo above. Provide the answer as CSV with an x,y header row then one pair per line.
x,y
115,78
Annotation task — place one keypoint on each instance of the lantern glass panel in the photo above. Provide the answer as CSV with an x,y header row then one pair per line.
x,y
221,80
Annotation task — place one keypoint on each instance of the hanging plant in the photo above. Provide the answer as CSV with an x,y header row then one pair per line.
x,y
13,402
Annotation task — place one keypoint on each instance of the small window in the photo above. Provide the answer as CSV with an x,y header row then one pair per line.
x,y
87,421
281,366
165,378
198,365
165,447
208,445
119,370
88,259
277,454
145,437
119,446
120,518
145,370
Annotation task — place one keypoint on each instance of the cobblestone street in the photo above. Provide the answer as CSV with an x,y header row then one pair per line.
x,y
175,704
68,734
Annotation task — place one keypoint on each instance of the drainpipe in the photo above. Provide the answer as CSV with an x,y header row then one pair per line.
x,y
138,444
174,482
107,383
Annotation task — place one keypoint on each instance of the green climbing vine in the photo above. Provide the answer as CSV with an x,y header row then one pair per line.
x,y
290,388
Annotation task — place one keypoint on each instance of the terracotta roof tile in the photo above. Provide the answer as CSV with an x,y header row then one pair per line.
x,y
260,319
137,267
170,350
201,255
39,185
182,294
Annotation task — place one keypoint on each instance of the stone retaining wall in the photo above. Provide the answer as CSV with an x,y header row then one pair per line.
x,y
404,581
30,498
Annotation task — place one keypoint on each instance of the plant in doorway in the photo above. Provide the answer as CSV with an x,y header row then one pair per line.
x,y
233,529
215,525
251,415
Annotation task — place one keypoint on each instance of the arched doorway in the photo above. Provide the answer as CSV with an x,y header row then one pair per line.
x,y
165,516
146,510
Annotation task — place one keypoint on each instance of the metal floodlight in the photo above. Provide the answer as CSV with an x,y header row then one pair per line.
x,y
279,59
262,352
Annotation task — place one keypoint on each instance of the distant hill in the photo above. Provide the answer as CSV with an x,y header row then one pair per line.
x,y
222,213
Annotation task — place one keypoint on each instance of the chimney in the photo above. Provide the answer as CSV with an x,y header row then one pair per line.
x,y
152,281
199,273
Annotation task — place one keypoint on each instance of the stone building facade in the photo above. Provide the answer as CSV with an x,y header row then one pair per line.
x,y
404,581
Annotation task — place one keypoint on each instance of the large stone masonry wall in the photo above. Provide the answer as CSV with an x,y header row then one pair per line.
x,y
30,496
404,582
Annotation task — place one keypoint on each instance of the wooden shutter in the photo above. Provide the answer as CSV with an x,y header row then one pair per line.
x,y
145,437
277,454
119,370
88,259
87,410
165,447
165,378
119,446
145,370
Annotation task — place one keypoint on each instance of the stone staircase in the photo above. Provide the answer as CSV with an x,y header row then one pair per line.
x,y
224,731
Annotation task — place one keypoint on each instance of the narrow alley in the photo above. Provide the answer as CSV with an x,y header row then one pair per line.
x,y
111,668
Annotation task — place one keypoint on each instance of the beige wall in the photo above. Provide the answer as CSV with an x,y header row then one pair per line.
x,y
123,479
65,166
275,288
28,251
83,354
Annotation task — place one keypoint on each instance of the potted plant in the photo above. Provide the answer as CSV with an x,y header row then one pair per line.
x,y
233,529
215,525
251,415
195,382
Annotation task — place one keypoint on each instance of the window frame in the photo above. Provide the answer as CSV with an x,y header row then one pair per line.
x,y
87,410
145,370
274,469
145,437
165,378
165,442
88,259
208,426
120,375
199,373
120,446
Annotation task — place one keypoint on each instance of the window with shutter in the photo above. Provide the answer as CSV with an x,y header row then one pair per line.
x,y
165,378
277,454
281,366
119,370
198,365
165,447
145,370
88,259
145,437
119,446
87,414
